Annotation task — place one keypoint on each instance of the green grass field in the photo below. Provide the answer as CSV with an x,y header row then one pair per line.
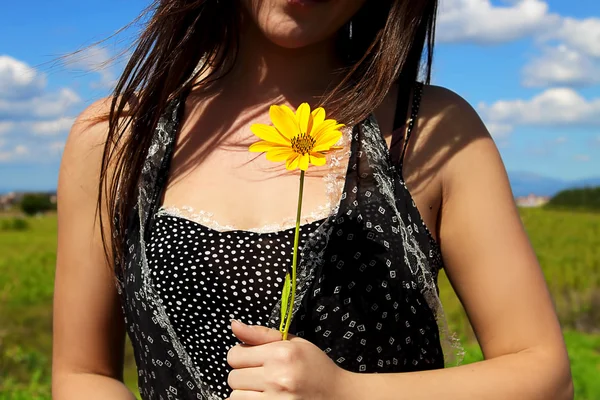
x,y
567,244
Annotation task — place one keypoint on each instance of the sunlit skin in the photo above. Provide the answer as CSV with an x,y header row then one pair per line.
x,y
452,169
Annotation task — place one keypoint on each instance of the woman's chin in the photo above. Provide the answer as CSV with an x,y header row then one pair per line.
x,y
294,36
291,41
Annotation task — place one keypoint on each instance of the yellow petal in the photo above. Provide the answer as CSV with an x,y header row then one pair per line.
x,y
284,120
279,154
327,125
318,116
262,146
329,135
269,134
303,163
292,162
327,140
318,159
303,116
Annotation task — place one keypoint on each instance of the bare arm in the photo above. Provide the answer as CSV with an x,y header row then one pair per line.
x,y
88,338
494,271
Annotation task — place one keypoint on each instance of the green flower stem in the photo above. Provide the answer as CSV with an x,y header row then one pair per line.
x,y
295,259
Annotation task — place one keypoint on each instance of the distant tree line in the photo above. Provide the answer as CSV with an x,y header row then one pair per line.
x,y
582,199
34,203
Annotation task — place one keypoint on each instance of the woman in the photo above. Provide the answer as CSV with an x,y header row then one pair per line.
x,y
198,227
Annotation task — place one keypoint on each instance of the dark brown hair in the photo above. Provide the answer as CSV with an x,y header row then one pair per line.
x,y
386,46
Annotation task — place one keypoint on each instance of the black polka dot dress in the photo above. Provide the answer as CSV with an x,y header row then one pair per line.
x,y
206,277
367,291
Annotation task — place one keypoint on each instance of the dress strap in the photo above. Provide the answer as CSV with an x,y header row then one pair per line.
x,y
165,135
402,128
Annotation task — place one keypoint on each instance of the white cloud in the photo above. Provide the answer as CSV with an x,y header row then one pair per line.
x,y
552,107
23,95
583,35
581,157
561,66
570,47
33,119
95,59
54,127
575,61
480,21
45,105
50,127
18,80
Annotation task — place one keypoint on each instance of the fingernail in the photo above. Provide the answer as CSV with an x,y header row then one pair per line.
x,y
236,321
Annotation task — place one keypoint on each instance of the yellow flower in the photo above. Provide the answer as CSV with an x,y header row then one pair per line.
x,y
298,139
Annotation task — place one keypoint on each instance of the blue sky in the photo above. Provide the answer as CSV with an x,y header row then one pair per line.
x,y
531,68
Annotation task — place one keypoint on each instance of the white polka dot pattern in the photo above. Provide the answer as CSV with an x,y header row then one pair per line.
x,y
205,278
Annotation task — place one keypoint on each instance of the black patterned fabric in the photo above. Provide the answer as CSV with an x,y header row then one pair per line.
x,y
206,277
367,277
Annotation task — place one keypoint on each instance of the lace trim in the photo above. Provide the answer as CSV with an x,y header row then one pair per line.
x,y
207,219
334,186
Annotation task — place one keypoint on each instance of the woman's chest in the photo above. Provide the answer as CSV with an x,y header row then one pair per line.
x,y
244,190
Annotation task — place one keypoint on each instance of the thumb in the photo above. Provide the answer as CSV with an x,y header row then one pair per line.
x,y
254,335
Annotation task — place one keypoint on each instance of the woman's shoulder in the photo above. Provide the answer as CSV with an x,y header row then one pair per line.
x,y
451,137
446,126
84,151
90,129
447,129
85,142
448,114
93,122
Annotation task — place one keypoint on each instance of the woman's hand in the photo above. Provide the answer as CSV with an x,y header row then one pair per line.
x,y
265,367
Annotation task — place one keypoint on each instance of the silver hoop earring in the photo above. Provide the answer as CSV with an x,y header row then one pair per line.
x,y
350,30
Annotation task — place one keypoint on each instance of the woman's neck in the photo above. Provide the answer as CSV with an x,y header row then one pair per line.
x,y
274,70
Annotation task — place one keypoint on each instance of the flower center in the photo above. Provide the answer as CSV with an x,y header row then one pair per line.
x,y
303,143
